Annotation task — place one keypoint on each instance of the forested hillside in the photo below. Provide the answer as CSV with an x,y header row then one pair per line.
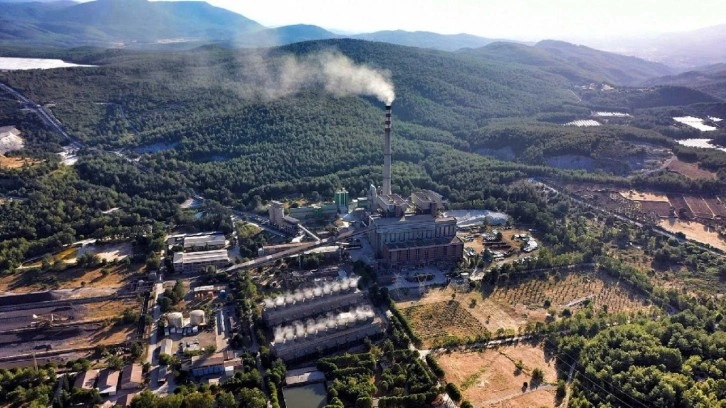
x,y
222,123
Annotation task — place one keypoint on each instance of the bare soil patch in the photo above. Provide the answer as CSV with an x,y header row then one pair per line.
x,y
717,206
679,204
659,208
109,252
116,276
690,170
491,378
698,207
15,162
695,231
636,195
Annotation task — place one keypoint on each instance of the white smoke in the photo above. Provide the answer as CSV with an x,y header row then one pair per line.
x,y
330,71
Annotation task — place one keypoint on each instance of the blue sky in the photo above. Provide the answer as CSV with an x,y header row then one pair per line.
x,y
514,19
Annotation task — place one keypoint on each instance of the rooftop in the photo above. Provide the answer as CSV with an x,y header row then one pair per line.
x,y
427,195
108,381
421,218
86,379
208,360
201,240
421,243
304,376
132,373
203,256
392,199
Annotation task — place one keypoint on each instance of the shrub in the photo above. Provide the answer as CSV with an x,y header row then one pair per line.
x,y
453,392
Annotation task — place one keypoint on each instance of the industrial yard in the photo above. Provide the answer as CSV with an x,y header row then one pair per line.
x,y
53,321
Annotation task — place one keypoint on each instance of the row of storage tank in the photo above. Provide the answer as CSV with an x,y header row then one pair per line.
x,y
329,323
308,294
176,319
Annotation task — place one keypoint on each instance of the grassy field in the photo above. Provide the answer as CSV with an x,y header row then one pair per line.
x,y
490,378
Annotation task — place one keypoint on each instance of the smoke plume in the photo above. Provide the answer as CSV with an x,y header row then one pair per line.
x,y
331,71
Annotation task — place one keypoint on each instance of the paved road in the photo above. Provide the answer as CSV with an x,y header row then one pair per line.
x,y
44,114
151,352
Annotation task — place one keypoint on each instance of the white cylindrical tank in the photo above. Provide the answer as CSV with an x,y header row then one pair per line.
x,y
196,317
175,319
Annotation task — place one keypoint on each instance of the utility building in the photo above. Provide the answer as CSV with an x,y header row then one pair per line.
x,y
409,232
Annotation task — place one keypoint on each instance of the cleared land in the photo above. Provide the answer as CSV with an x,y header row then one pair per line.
x,y
679,203
636,195
491,378
659,208
690,170
14,162
65,326
695,231
116,276
698,207
716,205
109,252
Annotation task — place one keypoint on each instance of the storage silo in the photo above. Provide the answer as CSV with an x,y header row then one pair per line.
x,y
175,319
196,317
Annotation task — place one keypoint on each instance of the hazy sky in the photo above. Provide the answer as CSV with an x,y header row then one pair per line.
x,y
515,19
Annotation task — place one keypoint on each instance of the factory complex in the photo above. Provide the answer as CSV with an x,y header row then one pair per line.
x,y
319,319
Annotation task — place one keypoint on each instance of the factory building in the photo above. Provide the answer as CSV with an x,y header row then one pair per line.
x,y
331,332
191,262
278,219
409,231
215,364
313,320
312,302
204,242
315,212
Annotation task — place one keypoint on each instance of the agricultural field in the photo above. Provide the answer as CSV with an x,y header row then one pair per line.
x,y
659,208
695,231
570,290
437,321
690,170
491,315
443,312
679,204
716,206
491,378
698,207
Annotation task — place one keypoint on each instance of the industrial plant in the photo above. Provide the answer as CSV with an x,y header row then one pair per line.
x,y
403,232
409,232
325,317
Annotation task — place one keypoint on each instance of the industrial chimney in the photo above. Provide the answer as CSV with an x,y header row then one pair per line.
x,y
387,153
